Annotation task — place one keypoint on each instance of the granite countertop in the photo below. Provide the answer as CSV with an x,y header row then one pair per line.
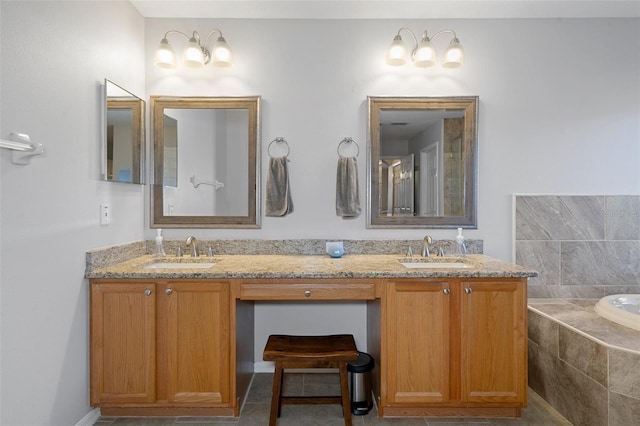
x,y
308,266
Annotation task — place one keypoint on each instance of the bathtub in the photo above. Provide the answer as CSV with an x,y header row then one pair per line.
x,y
623,309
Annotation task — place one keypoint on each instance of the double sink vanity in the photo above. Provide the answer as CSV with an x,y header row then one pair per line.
x,y
175,336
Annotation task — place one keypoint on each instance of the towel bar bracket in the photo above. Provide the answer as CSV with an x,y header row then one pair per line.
x,y
23,150
197,181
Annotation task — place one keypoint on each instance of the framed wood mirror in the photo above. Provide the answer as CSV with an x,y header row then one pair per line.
x,y
206,165
422,154
124,135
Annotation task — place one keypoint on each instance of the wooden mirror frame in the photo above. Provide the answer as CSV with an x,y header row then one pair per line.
x,y
119,98
468,104
158,105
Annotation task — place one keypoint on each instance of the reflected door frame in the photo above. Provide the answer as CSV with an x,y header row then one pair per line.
x,y
431,180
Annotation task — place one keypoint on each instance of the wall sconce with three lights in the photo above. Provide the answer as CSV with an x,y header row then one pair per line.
x,y
195,54
423,53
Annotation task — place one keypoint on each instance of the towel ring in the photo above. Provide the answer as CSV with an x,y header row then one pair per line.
x,y
348,140
278,140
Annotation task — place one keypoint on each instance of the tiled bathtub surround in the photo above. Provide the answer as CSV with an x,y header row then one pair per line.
x,y
582,246
102,257
584,366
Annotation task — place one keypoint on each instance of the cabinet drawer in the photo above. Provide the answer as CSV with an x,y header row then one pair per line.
x,y
307,291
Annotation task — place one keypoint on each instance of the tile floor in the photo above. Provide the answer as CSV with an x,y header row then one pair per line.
x,y
256,410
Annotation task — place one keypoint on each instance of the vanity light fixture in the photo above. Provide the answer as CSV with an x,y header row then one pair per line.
x,y
424,54
195,54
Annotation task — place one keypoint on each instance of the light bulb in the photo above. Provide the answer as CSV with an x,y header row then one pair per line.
x,y
221,54
165,56
192,56
454,56
397,53
425,54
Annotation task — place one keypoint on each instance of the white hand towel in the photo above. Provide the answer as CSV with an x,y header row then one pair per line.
x,y
278,197
347,195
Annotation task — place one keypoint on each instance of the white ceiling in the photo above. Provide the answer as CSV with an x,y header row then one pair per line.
x,y
387,9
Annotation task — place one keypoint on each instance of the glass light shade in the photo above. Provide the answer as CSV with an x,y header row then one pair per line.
x,y
425,54
165,57
192,56
454,56
221,54
397,53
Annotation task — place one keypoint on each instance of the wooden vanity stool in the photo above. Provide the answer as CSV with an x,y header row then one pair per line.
x,y
294,352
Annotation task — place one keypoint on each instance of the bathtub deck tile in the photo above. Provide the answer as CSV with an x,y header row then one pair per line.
x,y
610,333
555,310
586,304
582,317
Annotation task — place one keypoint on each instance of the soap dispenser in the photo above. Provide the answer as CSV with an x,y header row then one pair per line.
x,y
159,246
462,249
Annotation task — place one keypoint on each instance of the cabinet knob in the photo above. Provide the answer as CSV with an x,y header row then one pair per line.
x,y
467,290
307,293
147,292
446,291
168,291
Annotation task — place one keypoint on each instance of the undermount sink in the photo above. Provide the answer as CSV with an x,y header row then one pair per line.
x,y
180,263
431,263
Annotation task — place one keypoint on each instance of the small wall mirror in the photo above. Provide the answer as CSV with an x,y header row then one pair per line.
x,y
422,162
206,168
124,135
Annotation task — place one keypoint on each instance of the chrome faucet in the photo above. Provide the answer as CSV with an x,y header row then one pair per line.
x,y
191,241
425,245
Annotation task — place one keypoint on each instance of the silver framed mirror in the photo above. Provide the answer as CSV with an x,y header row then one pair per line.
x,y
422,154
123,147
206,162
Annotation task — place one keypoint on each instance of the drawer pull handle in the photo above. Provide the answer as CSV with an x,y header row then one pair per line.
x,y
307,293
168,291
467,290
446,291
147,292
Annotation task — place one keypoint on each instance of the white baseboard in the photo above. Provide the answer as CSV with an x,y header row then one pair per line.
x,y
264,367
91,417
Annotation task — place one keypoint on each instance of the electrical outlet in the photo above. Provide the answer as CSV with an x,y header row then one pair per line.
x,y
105,214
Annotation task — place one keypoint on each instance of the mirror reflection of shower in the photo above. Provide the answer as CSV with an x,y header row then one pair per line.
x,y
421,163
397,183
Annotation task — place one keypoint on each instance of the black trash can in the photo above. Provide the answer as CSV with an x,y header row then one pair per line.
x,y
360,384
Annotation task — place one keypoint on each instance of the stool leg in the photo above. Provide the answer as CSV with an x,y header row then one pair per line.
x,y
276,395
344,389
280,394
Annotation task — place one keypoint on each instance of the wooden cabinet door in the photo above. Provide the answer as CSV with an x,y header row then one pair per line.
x,y
494,341
123,341
195,342
418,332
